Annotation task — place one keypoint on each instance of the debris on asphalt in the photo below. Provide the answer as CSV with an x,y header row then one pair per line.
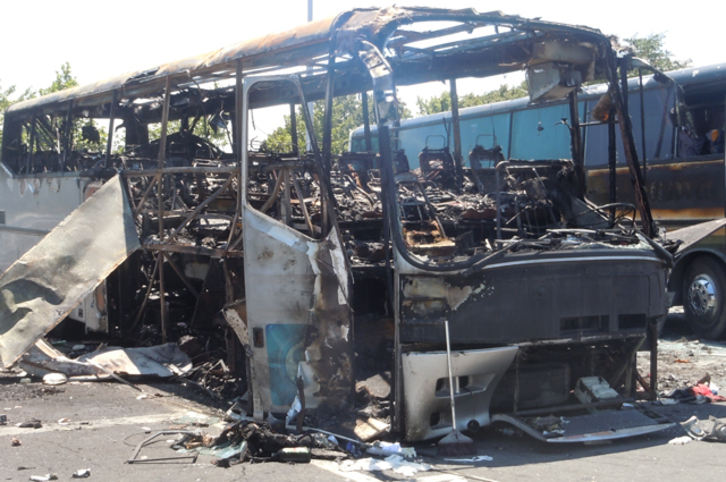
x,y
15,442
388,448
43,478
257,442
685,439
54,379
33,423
162,361
370,428
472,460
713,429
698,393
3,419
81,474
396,463
293,454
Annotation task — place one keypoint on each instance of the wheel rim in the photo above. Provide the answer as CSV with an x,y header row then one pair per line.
x,y
702,297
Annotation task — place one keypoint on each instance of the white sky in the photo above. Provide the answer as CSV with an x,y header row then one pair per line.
x,y
102,39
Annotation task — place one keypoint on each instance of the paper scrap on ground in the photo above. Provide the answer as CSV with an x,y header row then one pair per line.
x,y
478,458
396,463
680,440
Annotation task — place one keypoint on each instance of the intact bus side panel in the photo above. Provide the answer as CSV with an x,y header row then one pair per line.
x,y
32,207
680,193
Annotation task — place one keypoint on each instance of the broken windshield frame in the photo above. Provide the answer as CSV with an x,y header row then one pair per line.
x,y
569,61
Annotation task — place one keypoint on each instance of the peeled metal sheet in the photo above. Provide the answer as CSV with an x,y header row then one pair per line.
x,y
43,286
426,392
157,361
693,234
594,427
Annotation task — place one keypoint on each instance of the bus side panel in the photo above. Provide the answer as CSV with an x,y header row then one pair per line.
x,y
680,193
30,207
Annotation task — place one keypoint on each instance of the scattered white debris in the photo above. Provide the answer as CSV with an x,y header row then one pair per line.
x,y
478,458
43,478
54,379
387,448
395,463
680,440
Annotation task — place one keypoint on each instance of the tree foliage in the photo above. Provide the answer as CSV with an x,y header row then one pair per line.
x,y
347,115
442,102
651,48
64,79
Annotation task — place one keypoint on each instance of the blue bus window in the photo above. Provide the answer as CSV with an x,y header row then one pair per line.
x,y
538,133
659,129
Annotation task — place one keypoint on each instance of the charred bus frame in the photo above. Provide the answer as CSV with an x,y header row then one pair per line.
x,y
322,265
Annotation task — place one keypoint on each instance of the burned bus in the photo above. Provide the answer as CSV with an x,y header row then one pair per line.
x,y
323,269
678,124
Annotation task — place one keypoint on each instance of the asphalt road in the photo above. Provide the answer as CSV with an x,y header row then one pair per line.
x,y
106,420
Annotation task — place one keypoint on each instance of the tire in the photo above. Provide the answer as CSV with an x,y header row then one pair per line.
x,y
704,298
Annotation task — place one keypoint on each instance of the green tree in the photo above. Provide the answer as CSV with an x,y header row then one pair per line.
x,y
442,102
64,79
651,48
347,115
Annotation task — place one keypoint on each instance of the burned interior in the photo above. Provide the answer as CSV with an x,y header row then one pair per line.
x,y
314,270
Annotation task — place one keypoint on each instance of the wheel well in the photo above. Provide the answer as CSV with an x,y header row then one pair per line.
x,y
675,280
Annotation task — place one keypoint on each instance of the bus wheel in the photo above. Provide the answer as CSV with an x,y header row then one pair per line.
x,y
704,298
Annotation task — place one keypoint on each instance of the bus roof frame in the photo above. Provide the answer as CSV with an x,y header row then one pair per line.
x,y
315,41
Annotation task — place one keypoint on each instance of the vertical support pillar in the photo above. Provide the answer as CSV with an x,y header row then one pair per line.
x,y
612,161
642,125
286,201
31,155
164,123
293,130
109,143
238,146
366,123
653,347
576,144
160,191
328,117
162,299
67,136
458,160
